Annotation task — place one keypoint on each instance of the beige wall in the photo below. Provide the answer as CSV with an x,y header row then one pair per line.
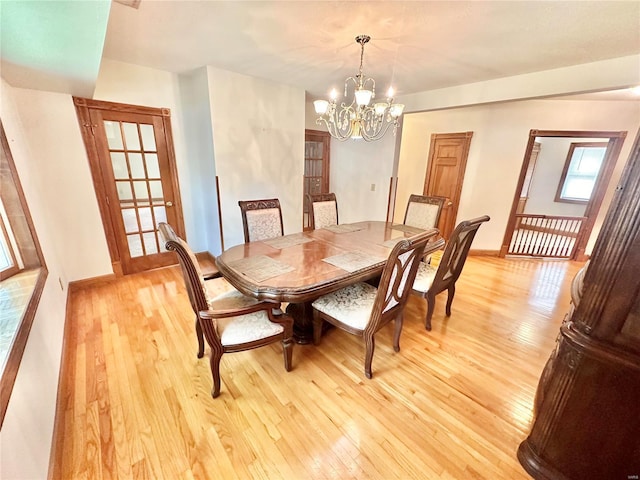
x,y
500,135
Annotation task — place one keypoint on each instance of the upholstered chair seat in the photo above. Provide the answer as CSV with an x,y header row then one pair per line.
x,y
351,305
362,309
227,319
424,277
430,281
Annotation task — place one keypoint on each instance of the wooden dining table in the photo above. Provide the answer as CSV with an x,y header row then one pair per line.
x,y
298,268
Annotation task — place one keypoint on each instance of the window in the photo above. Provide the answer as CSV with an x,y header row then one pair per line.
x,y
580,172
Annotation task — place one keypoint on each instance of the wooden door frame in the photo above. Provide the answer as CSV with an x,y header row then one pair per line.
x,y
83,107
466,136
326,166
616,139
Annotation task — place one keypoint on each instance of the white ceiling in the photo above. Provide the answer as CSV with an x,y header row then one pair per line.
x,y
415,45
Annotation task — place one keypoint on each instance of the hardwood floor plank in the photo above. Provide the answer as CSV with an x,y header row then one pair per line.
x,y
454,403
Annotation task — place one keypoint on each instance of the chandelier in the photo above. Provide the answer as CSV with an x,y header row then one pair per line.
x,y
358,119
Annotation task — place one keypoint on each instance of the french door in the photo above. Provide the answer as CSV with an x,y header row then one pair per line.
x,y
133,167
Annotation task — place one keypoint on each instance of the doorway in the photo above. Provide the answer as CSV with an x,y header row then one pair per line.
x,y
317,145
447,162
130,150
557,201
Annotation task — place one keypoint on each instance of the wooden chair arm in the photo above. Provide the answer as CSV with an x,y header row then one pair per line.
x,y
234,312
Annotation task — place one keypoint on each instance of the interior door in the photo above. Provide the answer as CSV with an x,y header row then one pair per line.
x,y
316,168
135,181
445,173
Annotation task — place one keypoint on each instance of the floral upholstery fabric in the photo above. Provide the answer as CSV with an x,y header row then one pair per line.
x,y
351,305
424,277
421,215
246,328
325,214
263,224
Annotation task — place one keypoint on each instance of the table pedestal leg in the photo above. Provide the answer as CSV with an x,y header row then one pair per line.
x,y
302,314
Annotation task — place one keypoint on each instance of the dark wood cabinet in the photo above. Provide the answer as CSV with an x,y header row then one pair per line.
x,y
587,418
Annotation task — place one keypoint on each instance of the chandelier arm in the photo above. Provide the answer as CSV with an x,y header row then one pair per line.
x,y
359,120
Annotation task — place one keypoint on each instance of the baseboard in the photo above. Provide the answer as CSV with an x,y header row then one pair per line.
x,y
57,443
90,282
484,253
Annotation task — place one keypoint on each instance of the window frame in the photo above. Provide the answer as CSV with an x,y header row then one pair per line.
x,y
565,170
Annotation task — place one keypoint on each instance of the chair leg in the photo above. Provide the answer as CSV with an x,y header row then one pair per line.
x,y
431,305
370,342
450,295
214,361
200,338
317,328
287,351
398,330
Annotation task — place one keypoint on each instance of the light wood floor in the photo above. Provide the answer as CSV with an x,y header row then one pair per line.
x,y
453,403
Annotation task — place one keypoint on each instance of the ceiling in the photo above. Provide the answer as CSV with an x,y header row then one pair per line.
x,y
416,46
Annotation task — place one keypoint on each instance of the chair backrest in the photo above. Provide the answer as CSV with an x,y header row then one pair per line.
x,y
261,219
423,212
193,278
455,253
323,210
398,275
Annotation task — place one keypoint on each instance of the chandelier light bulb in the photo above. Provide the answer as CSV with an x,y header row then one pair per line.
x,y
355,117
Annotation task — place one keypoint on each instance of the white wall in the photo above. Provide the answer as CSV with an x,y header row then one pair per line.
x,y
500,135
356,166
27,430
546,178
201,174
258,132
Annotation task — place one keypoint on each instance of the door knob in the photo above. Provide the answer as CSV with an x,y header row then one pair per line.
x,y
169,204
449,204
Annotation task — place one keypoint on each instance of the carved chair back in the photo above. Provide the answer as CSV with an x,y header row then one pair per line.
x,y
398,276
323,210
423,211
261,219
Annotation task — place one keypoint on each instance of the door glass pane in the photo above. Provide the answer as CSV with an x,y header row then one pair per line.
x,y
119,163
135,245
140,188
156,191
114,138
137,168
153,169
160,214
146,221
129,219
131,136
124,191
150,244
148,140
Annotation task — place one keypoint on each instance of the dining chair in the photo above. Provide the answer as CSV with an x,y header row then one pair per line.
x,y
323,210
430,280
423,211
261,219
230,321
362,309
